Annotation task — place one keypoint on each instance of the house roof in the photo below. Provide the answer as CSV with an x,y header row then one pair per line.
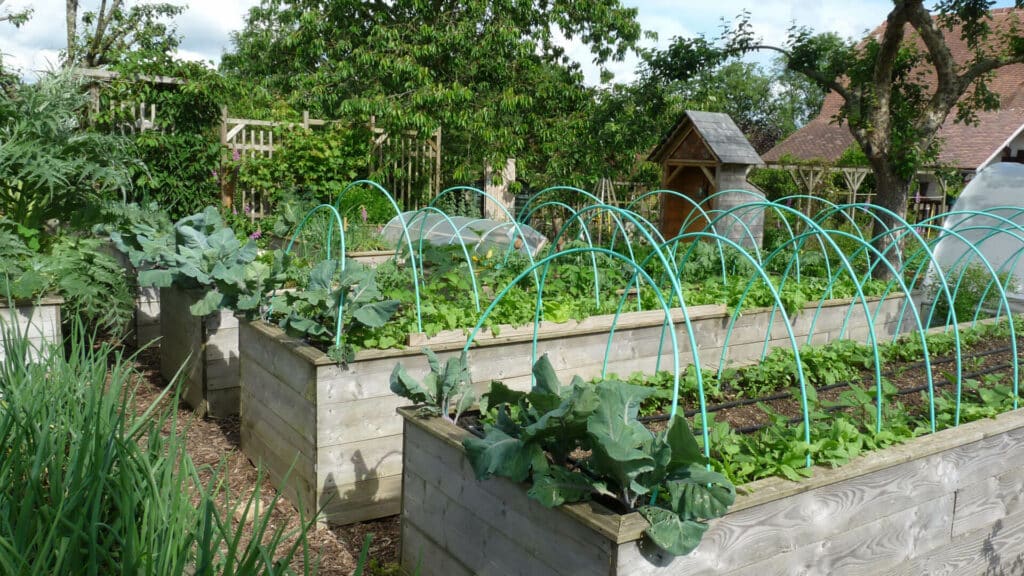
x,y
963,146
725,140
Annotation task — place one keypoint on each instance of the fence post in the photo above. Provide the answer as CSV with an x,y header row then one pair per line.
x,y
502,190
227,185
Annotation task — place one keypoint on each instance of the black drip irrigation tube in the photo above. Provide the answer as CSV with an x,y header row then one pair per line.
x,y
787,394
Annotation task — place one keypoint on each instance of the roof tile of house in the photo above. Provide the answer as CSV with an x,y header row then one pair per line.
x,y
964,146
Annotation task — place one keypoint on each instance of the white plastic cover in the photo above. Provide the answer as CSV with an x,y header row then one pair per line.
x,y
998,190
477,233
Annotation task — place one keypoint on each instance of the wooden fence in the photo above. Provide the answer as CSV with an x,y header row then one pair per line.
x,y
410,165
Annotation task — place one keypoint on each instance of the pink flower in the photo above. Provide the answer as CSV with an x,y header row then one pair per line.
x,y
234,211
248,208
234,154
256,235
362,212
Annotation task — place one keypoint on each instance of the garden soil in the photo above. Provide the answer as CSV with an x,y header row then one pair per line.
x,y
215,443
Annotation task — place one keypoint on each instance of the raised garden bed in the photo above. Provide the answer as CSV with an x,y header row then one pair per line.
x,y
146,318
39,322
945,503
207,347
332,431
371,257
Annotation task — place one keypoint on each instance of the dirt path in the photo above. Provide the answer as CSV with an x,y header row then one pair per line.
x,y
211,441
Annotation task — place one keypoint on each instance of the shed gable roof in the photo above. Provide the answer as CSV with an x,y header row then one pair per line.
x,y
718,131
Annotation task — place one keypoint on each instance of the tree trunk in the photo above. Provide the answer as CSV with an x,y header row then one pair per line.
x,y
71,18
893,194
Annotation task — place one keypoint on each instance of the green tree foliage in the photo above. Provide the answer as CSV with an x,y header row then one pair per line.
x,y
114,32
895,95
492,74
766,105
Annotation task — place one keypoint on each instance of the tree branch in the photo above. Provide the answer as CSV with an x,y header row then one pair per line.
x,y
812,73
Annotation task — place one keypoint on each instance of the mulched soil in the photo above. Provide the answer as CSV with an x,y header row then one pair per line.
x,y
216,443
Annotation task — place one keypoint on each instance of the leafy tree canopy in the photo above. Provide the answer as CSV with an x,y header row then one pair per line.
x,y
492,73
897,87
112,32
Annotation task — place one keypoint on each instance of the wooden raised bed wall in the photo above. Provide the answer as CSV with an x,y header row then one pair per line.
x,y
333,428
948,503
209,346
38,322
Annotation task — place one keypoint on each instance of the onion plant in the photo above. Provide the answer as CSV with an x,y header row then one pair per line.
x,y
89,486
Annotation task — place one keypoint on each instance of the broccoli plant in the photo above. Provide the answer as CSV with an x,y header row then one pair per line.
x,y
333,300
582,440
442,387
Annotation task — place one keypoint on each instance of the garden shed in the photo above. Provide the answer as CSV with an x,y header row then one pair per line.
x,y
703,154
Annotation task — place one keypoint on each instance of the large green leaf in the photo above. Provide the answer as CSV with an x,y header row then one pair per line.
x,y
699,493
619,437
498,454
685,450
158,278
500,394
670,532
234,275
208,304
189,237
559,485
321,275
407,387
545,378
376,314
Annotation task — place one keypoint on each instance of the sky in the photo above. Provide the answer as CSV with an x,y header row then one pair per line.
x,y
206,26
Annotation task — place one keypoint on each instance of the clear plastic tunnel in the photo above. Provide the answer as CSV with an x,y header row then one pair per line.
x,y
477,233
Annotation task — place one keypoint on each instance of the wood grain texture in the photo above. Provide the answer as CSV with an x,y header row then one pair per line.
x,y
893,511
865,550
988,501
366,500
993,550
266,388
343,464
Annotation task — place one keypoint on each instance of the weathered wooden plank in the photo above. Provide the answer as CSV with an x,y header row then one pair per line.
x,y
258,415
223,402
421,555
299,413
865,550
222,373
360,420
351,462
994,550
373,498
290,480
291,371
447,476
983,503
782,525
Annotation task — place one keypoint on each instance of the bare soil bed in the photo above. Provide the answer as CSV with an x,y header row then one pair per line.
x,y
209,442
